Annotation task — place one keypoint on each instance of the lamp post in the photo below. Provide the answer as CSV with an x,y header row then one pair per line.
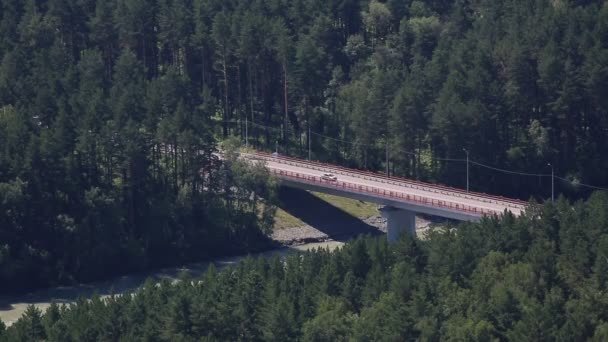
x,y
467,152
385,136
309,136
552,182
387,162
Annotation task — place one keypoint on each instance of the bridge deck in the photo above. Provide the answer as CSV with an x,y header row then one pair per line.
x,y
380,188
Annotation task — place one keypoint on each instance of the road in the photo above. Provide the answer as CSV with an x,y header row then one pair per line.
x,y
382,187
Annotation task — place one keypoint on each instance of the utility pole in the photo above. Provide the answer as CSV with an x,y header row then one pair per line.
x,y
467,152
309,141
552,182
246,133
276,147
387,166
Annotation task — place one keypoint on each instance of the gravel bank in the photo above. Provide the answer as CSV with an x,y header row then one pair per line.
x,y
12,307
307,234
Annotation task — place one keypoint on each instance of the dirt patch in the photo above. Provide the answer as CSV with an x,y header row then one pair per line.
x,y
299,235
293,236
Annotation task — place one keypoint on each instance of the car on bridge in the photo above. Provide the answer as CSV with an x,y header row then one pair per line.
x,y
330,177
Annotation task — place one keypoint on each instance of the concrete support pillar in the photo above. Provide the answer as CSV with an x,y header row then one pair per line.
x,y
398,221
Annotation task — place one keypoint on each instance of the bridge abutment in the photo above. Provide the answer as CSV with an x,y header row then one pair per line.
x,y
398,221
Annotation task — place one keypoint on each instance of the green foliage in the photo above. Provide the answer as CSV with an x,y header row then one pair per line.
x,y
333,322
29,327
108,157
499,289
110,112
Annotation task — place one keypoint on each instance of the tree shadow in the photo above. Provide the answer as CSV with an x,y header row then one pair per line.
x,y
116,286
336,223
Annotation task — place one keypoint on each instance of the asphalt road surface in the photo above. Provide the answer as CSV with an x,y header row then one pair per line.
x,y
473,200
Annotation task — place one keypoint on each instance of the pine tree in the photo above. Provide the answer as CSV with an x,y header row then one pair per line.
x,y
222,37
32,327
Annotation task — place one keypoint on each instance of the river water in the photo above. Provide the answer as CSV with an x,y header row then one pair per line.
x,y
12,308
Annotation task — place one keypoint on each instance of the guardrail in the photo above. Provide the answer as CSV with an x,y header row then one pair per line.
x,y
364,189
486,198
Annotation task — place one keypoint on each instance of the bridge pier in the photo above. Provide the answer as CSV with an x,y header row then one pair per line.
x,y
398,221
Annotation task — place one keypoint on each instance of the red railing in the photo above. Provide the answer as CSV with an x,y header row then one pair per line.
x,y
386,193
406,182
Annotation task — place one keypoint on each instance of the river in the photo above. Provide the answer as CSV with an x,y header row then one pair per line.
x,y
11,308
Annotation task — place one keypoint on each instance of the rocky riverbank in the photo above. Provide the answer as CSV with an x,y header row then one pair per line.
x,y
308,234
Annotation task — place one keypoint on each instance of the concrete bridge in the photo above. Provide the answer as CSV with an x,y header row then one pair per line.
x,y
401,198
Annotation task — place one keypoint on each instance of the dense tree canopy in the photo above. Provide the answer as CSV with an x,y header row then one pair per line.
x,y
539,277
518,83
110,113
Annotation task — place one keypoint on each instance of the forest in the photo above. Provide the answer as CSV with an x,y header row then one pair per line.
x,y
111,113
539,277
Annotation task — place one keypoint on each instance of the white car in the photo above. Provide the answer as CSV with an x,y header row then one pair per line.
x,y
329,177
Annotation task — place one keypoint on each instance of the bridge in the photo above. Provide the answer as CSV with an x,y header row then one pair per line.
x,y
402,198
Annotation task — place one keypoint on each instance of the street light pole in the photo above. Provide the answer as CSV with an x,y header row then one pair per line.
x,y
552,183
467,152
387,164
309,141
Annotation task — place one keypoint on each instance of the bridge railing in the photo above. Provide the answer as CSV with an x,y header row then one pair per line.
x,y
440,189
364,189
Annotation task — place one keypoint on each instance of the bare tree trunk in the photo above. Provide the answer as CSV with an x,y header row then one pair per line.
x,y
250,94
225,72
184,171
286,119
256,87
175,171
419,143
238,101
203,80
109,62
143,43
